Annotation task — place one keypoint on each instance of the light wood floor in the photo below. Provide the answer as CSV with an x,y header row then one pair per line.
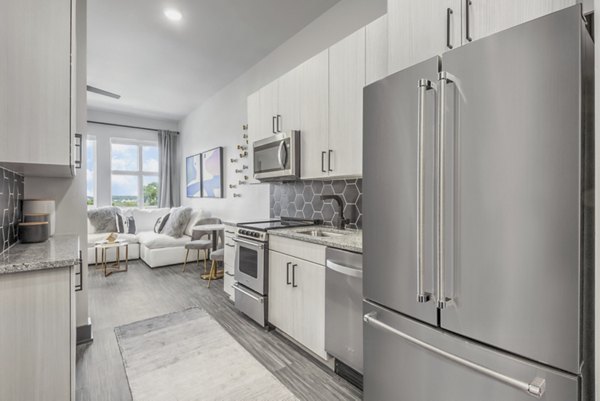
x,y
142,293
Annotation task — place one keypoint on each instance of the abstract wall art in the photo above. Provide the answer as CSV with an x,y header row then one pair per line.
x,y
193,176
212,173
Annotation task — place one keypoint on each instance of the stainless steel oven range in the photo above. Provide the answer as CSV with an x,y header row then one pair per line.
x,y
252,264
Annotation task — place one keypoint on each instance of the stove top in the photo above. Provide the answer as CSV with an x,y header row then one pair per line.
x,y
285,222
257,230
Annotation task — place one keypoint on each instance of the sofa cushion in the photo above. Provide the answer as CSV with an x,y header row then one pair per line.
x,y
197,214
103,219
145,218
93,238
152,240
177,222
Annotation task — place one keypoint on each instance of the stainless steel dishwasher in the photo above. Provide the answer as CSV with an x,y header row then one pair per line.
x,y
343,312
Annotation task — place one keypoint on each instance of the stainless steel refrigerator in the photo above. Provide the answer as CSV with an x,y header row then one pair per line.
x,y
478,222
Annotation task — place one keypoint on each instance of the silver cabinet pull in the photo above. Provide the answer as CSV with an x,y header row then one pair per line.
x,y
442,300
294,276
423,86
278,122
273,125
329,160
323,162
468,4
449,13
287,273
535,388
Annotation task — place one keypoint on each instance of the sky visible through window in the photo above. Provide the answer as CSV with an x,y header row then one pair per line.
x,y
130,174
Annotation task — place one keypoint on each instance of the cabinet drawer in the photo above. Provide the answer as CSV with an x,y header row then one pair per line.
x,y
228,281
230,269
229,252
299,249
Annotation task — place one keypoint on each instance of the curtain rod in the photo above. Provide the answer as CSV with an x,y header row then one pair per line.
x,y
126,126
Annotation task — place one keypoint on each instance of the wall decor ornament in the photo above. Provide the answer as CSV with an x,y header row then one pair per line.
x,y
193,176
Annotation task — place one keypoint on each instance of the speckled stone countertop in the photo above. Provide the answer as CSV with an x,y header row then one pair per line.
x,y
58,251
350,241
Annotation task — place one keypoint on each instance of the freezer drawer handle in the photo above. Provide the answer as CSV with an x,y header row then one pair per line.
x,y
536,388
423,86
237,287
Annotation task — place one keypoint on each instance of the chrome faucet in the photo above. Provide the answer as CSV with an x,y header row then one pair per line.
x,y
340,202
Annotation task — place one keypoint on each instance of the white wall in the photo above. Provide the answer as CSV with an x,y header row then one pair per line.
x,y
218,121
103,135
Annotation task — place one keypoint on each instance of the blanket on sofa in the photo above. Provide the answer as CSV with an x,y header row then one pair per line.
x,y
103,219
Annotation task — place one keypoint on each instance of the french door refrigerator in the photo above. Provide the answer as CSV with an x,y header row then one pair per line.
x,y
478,225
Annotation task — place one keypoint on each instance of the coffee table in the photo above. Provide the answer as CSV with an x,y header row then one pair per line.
x,y
109,269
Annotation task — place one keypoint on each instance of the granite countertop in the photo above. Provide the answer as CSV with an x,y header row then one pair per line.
x,y
59,251
350,241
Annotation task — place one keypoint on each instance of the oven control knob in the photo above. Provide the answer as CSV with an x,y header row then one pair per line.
x,y
256,235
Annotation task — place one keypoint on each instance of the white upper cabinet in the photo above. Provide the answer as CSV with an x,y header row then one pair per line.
x,y
346,83
37,117
314,116
288,104
376,50
485,17
269,96
420,29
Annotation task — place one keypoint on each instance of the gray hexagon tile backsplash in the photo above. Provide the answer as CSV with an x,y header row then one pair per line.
x,y
11,197
303,199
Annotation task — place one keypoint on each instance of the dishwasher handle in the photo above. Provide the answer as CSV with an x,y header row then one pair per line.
x,y
348,271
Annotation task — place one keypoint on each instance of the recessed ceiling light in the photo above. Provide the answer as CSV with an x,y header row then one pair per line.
x,y
172,14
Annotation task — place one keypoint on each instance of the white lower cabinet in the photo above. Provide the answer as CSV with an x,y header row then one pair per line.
x,y
37,335
297,299
229,262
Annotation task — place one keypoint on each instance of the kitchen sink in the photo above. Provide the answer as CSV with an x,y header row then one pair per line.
x,y
321,233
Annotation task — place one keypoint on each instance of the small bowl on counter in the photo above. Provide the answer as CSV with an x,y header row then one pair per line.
x,y
35,231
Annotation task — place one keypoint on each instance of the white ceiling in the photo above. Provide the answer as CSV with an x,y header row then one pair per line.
x,y
165,69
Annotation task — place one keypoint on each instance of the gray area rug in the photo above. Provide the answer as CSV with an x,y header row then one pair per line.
x,y
187,355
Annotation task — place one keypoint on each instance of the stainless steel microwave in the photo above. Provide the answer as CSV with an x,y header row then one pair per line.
x,y
277,158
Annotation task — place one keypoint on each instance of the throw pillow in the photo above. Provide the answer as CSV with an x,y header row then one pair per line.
x,y
120,223
129,225
178,221
160,223
103,219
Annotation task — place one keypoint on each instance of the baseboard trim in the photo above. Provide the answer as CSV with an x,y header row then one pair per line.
x,y
84,333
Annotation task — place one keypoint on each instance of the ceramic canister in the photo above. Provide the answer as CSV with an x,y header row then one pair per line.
x,y
42,206
33,232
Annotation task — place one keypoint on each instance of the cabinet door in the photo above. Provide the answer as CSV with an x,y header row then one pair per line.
x,y
314,116
486,17
288,109
418,30
268,110
35,77
346,83
280,302
309,305
376,50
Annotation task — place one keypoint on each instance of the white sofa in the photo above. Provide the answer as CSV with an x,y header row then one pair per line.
x,y
155,249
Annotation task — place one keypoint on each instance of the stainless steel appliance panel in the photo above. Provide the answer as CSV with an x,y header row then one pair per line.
x,y
513,253
251,304
251,264
441,366
343,307
277,157
391,187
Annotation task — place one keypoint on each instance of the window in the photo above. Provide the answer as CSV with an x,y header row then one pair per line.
x,y
91,171
134,178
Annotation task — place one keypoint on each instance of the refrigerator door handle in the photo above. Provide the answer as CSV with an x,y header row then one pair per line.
x,y
423,86
443,79
535,388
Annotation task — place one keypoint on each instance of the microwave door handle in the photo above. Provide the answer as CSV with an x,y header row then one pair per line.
x,y
280,156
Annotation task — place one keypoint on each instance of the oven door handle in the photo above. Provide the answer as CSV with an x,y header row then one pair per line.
x,y
249,243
